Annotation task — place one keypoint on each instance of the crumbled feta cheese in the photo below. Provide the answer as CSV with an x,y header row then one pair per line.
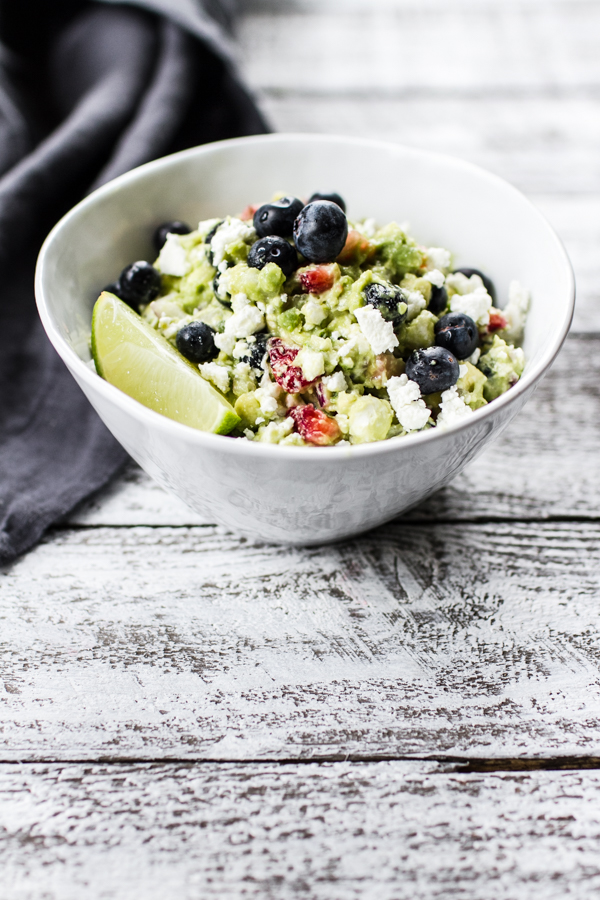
x,y
476,305
335,382
436,277
416,303
224,342
378,332
245,322
268,403
311,362
474,357
231,231
313,312
368,227
248,434
452,408
463,371
172,259
240,349
217,374
515,312
405,397
239,301
438,258
463,285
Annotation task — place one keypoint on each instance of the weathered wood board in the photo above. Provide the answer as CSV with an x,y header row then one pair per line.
x,y
426,640
545,465
378,831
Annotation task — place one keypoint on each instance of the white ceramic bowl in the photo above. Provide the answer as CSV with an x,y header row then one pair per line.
x,y
296,494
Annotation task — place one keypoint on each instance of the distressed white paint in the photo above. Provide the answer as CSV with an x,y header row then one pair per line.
x,y
415,639
384,831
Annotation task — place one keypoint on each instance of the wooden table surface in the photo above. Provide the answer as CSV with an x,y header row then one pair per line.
x,y
413,714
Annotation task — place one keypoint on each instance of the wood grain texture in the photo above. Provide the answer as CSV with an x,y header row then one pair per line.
x,y
385,831
545,465
477,640
444,46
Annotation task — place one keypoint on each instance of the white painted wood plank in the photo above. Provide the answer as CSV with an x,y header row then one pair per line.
x,y
385,831
455,639
446,47
515,478
544,145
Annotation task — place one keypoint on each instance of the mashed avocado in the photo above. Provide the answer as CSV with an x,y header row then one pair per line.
x,y
322,353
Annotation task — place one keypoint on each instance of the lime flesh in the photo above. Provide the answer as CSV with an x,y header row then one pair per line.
x,y
139,361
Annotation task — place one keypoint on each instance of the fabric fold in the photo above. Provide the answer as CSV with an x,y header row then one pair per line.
x,y
99,88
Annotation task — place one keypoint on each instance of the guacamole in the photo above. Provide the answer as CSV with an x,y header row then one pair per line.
x,y
323,330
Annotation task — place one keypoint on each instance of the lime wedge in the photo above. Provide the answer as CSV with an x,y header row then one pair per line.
x,y
138,360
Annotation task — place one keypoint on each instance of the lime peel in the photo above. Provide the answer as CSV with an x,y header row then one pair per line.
x,y
135,358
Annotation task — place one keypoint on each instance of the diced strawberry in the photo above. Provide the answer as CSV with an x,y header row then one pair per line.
x,y
356,250
497,321
281,356
317,279
315,426
248,212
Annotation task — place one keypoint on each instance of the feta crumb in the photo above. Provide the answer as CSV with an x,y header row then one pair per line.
x,y
368,227
416,303
405,397
438,258
515,312
268,402
313,312
474,357
217,374
224,342
463,371
239,301
240,349
476,305
378,332
335,382
452,408
172,259
245,322
249,434
311,362
463,285
259,420
435,277
228,233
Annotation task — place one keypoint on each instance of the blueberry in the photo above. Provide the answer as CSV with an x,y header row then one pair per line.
x,y
273,249
160,235
257,352
277,217
333,197
457,333
487,282
387,298
195,341
438,300
139,283
434,369
320,231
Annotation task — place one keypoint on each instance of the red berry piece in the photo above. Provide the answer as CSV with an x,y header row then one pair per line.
x,y
281,357
497,321
317,279
315,426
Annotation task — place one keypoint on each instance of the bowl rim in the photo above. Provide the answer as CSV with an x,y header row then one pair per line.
x,y
254,448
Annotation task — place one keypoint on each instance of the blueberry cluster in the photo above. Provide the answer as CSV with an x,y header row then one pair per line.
x,y
318,229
